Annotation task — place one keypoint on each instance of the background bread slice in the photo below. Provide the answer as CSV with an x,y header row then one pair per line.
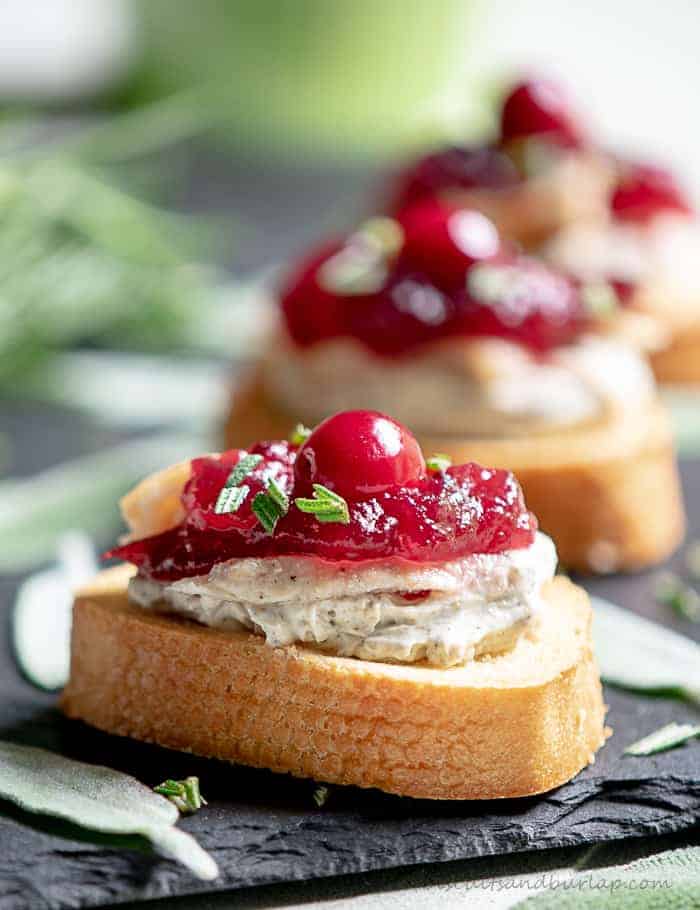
x,y
679,363
511,725
592,488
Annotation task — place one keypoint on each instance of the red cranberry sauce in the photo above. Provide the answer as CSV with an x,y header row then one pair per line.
x,y
398,510
534,109
453,277
454,168
643,192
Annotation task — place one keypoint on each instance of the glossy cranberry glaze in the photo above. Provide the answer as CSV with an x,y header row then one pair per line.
x,y
435,290
539,107
443,242
433,517
645,192
382,454
454,168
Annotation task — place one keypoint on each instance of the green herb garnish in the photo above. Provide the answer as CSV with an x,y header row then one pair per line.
x,y
230,499
383,233
232,494
666,738
599,299
326,506
672,591
299,434
320,795
438,462
184,794
270,506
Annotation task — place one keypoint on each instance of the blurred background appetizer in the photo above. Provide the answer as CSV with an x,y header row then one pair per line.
x,y
644,250
539,173
487,354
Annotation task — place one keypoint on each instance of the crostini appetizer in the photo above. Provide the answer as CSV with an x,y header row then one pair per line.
x,y
540,173
340,608
487,355
646,251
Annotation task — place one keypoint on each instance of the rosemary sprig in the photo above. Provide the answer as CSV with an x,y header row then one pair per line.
x,y
270,506
438,462
233,494
672,591
299,434
184,794
667,737
320,795
325,506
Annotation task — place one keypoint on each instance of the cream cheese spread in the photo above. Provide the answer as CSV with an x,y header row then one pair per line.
x,y
472,387
467,607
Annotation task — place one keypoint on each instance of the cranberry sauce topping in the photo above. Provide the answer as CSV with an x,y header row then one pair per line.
x,y
452,277
540,107
644,192
534,109
455,168
396,508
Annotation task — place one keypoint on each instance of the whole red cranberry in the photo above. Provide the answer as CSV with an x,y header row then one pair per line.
x,y
540,107
359,454
442,241
644,192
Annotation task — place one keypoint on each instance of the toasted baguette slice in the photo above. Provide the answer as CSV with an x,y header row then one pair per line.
x,y
679,363
511,725
607,492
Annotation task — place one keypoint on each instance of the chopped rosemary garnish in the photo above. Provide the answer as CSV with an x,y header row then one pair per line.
x,y
326,505
182,793
320,795
270,506
599,299
230,499
232,495
438,462
244,467
666,738
383,233
299,434
672,591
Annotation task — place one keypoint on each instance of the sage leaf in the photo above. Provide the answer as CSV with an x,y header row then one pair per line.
x,y
667,737
41,620
638,654
82,493
99,799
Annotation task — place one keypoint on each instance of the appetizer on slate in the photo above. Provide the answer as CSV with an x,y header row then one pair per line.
x,y
487,355
541,171
645,249
344,610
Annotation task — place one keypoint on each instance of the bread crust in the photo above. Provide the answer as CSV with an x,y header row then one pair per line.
x,y
511,725
591,487
679,363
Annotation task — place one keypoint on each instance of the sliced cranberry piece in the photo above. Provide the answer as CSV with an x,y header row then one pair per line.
x,y
540,107
359,453
455,168
644,192
442,241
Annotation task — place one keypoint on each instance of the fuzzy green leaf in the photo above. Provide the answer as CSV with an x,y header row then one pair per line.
x,y
98,799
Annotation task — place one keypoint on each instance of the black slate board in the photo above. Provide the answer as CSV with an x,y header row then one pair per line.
x,y
265,828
